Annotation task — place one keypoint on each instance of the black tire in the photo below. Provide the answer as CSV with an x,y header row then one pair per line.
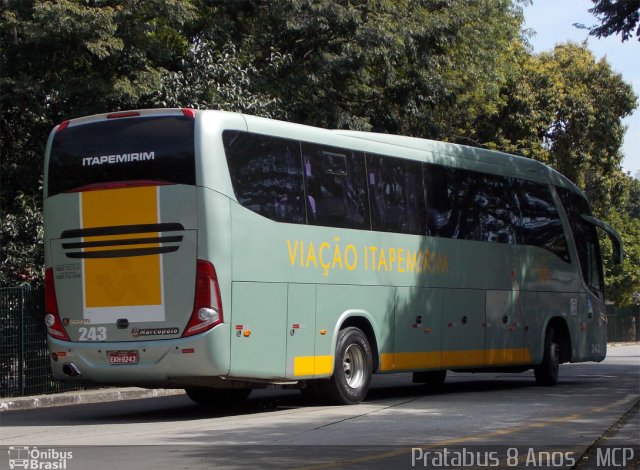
x,y
547,372
352,369
218,398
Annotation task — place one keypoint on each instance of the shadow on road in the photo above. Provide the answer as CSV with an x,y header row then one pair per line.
x,y
181,408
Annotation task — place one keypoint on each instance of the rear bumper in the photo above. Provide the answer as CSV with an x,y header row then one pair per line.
x,y
162,363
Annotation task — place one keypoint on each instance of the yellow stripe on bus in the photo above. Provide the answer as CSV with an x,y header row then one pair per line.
x,y
417,360
127,281
470,358
323,365
312,365
455,359
508,356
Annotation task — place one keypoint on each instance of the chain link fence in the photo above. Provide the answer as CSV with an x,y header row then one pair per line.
x,y
24,357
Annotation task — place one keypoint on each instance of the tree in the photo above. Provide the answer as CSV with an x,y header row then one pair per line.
x,y
623,282
21,235
566,109
632,206
424,68
453,70
66,59
616,17
220,78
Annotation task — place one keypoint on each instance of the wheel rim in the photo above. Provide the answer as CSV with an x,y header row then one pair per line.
x,y
353,364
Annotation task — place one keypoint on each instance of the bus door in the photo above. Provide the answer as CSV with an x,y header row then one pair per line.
x,y
120,222
590,341
463,328
258,344
592,320
418,329
506,327
304,360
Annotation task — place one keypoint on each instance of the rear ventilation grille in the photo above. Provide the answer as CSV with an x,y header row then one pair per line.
x,y
118,247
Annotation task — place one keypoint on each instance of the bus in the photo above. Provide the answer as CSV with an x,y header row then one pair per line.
x,y
220,252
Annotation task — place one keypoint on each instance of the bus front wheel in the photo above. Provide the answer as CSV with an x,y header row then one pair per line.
x,y
352,368
547,372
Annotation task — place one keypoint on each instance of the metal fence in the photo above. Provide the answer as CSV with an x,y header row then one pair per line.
x,y
623,324
24,358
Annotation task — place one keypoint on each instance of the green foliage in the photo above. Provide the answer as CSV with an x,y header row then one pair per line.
x,y
417,68
623,282
455,70
65,59
632,206
213,78
616,17
21,237
566,109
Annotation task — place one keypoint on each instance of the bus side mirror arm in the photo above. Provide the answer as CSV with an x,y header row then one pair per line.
x,y
611,233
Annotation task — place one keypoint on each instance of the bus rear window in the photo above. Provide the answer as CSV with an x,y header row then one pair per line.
x,y
148,148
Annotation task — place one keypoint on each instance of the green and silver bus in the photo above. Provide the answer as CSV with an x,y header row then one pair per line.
x,y
220,252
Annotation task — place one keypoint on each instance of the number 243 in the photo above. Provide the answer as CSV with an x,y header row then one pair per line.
x,y
93,333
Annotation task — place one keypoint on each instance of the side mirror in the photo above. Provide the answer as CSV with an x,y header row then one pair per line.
x,y
618,251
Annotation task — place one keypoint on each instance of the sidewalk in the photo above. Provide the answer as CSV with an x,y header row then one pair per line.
x,y
83,397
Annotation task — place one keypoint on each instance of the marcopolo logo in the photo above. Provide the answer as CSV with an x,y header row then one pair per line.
x,y
118,158
154,331
36,459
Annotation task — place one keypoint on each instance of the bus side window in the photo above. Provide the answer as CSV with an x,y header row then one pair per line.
x,y
438,202
451,206
266,173
463,188
396,195
498,212
335,184
541,224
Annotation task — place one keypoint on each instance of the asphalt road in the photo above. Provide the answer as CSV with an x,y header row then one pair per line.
x,y
589,420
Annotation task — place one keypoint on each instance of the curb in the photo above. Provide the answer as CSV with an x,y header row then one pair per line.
x,y
83,397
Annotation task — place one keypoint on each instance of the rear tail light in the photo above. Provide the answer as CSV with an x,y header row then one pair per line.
x,y
52,316
189,113
207,306
63,125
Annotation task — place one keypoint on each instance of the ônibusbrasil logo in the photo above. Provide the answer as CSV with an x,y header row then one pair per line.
x,y
37,459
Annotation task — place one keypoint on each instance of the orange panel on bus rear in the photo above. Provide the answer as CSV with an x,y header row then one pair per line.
x,y
122,281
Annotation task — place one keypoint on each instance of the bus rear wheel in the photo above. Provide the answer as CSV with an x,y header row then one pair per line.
x,y
547,372
352,369
217,397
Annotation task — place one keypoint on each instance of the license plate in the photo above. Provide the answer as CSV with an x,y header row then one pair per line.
x,y
122,357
